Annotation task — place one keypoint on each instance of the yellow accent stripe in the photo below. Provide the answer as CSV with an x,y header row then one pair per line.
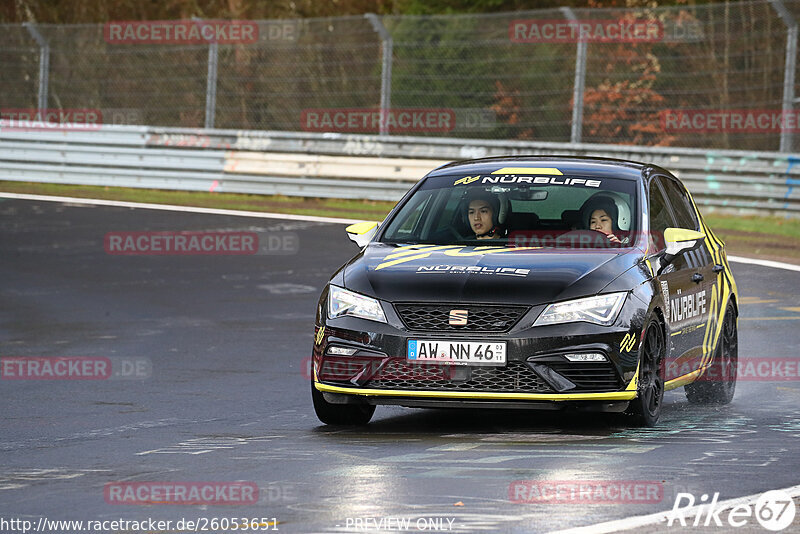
x,y
402,260
729,272
634,383
683,380
650,266
647,261
466,180
529,170
724,279
711,326
556,397
360,228
723,299
414,249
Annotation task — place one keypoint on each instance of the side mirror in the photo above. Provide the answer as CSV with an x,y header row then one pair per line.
x,y
362,233
679,241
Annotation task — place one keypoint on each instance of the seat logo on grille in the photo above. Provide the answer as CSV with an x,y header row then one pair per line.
x,y
458,317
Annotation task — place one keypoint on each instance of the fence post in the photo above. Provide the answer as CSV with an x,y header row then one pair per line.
x,y
580,82
386,69
44,67
211,87
789,68
211,80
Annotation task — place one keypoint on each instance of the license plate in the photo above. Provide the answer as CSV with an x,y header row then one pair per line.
x,y
457,352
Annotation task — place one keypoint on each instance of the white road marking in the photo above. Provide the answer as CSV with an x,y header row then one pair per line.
x,y
285,216
765,263
186,209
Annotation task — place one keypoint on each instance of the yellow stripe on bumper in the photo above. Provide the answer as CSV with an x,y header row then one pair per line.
x,y
556,397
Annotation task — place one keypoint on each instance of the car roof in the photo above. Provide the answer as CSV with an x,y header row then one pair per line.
x,y
567,165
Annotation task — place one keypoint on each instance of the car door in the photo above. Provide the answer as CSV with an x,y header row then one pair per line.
x,y
672,280
690,306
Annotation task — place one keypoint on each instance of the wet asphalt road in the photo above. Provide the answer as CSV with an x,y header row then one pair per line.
x,y
225,396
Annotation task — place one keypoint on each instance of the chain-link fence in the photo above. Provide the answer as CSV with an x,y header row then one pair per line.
x,y
715,75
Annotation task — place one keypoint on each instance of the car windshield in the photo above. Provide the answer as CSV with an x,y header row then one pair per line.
x,y
518,211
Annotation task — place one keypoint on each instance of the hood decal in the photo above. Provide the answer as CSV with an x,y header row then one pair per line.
x,y
417,252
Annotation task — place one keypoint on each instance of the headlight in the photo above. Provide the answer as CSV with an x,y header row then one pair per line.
x,y
602,310
343,302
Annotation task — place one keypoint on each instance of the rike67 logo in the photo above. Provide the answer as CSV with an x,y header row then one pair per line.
x,y
774,510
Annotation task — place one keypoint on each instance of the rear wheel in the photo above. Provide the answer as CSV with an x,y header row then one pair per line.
x,y
718,384
340,414
646,407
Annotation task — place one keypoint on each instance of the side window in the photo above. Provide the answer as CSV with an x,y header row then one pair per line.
x,y
660,217
681,207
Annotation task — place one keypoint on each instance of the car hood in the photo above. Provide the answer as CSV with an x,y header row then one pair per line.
x,y
428,273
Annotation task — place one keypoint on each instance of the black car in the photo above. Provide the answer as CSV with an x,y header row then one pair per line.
x,y
530,282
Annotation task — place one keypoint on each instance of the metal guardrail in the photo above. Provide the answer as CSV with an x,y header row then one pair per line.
x,y
353,166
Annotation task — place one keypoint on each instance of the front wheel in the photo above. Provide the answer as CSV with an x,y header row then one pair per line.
x,y
340,414
646,407
718,384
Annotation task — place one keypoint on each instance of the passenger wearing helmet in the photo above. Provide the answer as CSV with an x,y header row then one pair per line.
x,y
482,213
602,215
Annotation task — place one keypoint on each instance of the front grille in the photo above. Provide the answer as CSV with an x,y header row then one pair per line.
x,y
517,377
435,317
588,376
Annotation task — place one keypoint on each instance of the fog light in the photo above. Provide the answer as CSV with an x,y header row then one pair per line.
x,y
590,357
340,351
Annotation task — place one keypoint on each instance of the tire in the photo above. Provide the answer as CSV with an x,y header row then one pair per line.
x,y
645,409
718,385
340,414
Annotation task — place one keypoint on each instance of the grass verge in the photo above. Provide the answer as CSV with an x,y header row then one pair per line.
x,y
367,210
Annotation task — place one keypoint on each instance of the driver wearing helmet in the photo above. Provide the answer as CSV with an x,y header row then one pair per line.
x,y
483,209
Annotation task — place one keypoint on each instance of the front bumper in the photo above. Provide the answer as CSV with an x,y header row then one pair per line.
x,y
536,375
